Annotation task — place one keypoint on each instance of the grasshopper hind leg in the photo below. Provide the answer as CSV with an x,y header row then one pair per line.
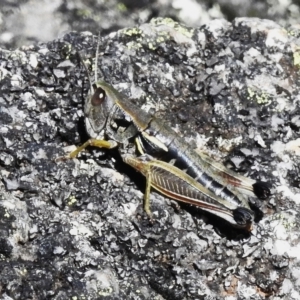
x,y
261,189
145,168
147,193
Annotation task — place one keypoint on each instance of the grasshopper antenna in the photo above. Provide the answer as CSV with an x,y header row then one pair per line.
x,y
96,58
87,72
96,63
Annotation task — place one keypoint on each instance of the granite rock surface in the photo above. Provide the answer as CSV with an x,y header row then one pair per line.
x,y
76,228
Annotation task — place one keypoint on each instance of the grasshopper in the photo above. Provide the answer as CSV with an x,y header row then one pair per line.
x,y
176,184
111,119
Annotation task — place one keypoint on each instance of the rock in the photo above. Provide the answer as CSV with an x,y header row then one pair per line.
x,y
77,227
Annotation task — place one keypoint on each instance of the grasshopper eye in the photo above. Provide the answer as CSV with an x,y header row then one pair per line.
x,y
98,97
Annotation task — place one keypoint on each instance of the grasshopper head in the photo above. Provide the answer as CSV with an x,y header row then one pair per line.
x,y
98,107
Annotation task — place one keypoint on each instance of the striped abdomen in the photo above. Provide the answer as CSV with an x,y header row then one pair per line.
x,y
190,161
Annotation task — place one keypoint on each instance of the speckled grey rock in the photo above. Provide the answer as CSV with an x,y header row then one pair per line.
x,y
26,22
76,228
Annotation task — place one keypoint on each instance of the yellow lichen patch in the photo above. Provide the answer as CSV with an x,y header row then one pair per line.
x,y
294,31
84,13
137,34
67,48
151,46
160,39
260,97
106,292
133,45
284,219
296,57
132,31
172,24
72,200
296,53
160,31
6,214
122,7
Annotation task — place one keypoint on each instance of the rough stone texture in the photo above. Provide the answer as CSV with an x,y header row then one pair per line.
x,y
76,228
26,22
